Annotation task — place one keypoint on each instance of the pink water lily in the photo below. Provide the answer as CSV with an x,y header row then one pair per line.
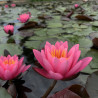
x,y
11,67
9,29
13,5
6,6
58,63
76,5
24,17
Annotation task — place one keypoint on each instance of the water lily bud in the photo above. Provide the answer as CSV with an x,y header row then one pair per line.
x,y
6,6
13,5
76,5
24,17
9,29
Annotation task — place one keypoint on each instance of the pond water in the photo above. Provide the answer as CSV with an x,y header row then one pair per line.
x,y
49,23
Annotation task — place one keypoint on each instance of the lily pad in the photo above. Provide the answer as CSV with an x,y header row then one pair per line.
x,y
85,43
4,93
54,25
32,44
89,70
92,85
55,31
95,23
40,32
12,48
94,63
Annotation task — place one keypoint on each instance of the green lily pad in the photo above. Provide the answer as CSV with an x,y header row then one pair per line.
x,y
2,33
69,30
88,70
55,31
54,25
83,26
40,32
84,51
37,38
4,93
92,85
32,44
60,9
94,54
85,43
12,48
95,23
83,32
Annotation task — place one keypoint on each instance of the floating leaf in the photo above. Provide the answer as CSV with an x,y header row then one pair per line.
x,y
65,93
12,48
92,85
4,93
26,33
95,23
88,70
79,90
40,32
32,44
60,9
31,24
44,17
6,52
12,90
85,43
93,53
54,25
55,31
84,17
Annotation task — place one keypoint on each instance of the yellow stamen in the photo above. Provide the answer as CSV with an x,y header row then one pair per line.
x,y
10,61
58,53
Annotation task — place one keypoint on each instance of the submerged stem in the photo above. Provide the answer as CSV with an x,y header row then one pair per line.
x,y
49,89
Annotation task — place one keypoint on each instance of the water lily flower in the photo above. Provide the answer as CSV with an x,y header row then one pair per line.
x,y
76,5
11,67
24,17
58,63
9,29
6,6
13,5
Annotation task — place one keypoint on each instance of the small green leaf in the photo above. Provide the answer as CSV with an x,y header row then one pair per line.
x,y
12,48
4,93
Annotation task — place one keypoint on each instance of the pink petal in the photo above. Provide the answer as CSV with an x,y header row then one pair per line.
x,y
85,62
38,56
42,72
56,64
7,75
74,69
14,69
76,57
65,44
55,76
47,65
76,48
57,45
53,48
20,62
20,70
48,44
26,68
63,67
43,54
70,59
61,42
50,58
1,70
